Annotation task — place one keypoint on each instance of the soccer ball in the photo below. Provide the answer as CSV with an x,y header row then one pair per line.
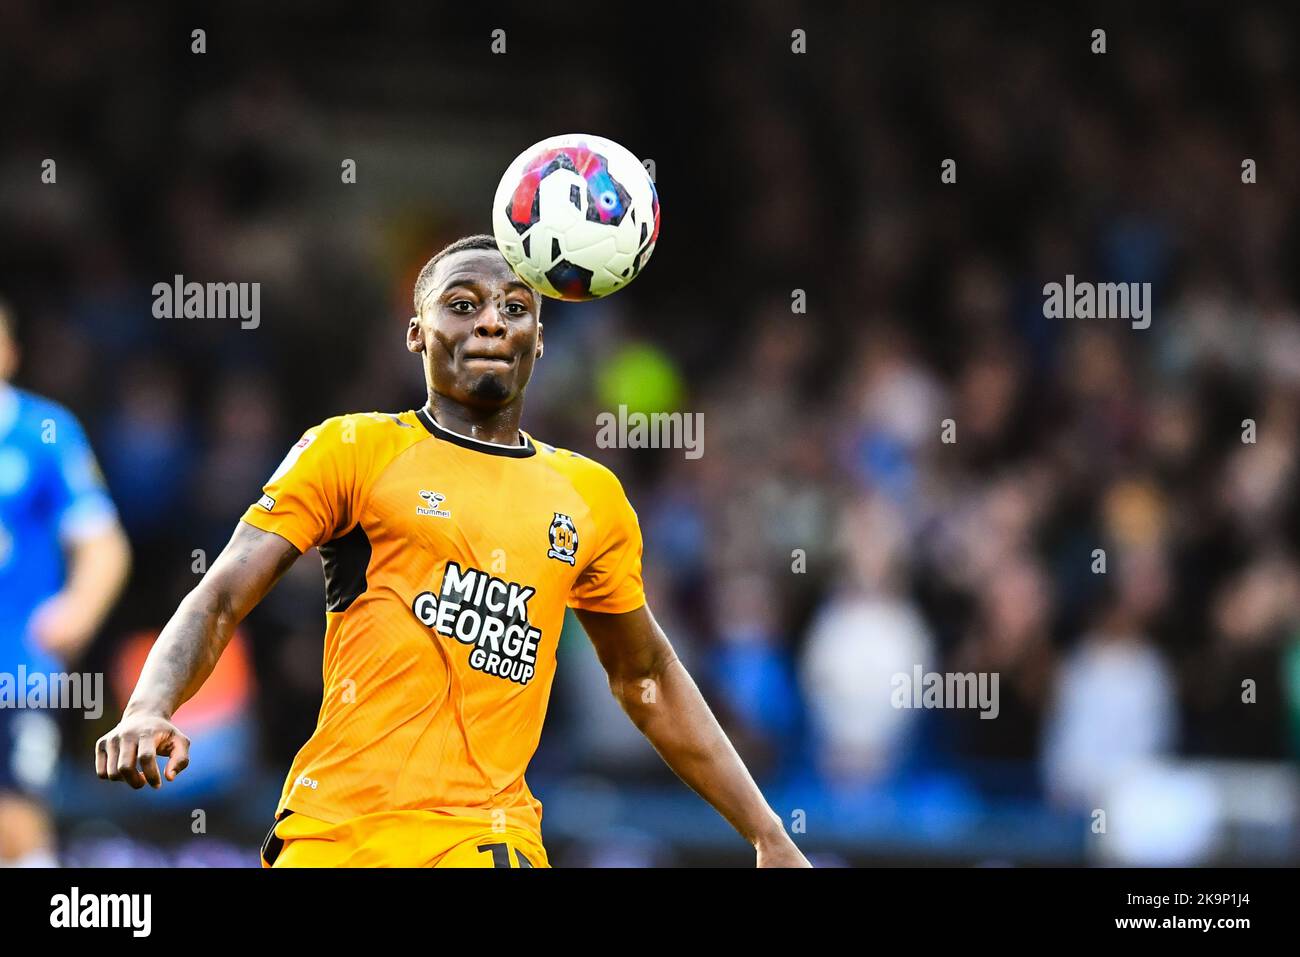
x,y
576,216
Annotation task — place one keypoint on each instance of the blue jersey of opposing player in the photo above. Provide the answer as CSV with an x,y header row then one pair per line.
x,y
51,494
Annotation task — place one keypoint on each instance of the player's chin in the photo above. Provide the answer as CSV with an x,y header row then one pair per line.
x,y
491,387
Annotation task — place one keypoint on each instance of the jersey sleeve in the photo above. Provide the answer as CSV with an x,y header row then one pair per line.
x,y
312,497
79,497
611,581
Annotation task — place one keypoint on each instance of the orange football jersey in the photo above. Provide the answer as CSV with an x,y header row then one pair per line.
x,y
448,566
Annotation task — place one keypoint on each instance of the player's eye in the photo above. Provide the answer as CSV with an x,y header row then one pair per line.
x,y
516,309
456,304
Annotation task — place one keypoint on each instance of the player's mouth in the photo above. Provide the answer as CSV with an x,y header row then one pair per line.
x,y
503,361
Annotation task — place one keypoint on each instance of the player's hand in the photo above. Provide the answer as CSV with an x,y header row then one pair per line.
x,y
130,751
779,851
61,627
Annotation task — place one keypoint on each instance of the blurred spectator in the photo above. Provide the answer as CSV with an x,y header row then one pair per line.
x,y
864,636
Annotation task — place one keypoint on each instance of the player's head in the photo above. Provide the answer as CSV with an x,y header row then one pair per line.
x,y
477,325
8,343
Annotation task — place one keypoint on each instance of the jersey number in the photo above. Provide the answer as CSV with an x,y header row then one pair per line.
x,y
501,855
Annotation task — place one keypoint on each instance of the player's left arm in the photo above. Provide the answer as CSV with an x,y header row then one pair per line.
x,y
661,699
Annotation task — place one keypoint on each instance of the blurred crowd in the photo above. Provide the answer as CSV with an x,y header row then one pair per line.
x,y
919,468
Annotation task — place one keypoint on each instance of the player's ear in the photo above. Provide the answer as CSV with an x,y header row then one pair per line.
x,y
414,337
539,340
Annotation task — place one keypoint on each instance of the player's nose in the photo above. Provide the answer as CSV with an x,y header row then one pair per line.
x,y
490,321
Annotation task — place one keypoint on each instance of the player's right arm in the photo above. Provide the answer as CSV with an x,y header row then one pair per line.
x,y
312,497
184,655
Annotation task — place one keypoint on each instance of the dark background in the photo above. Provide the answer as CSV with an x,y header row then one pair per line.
x,y
776,171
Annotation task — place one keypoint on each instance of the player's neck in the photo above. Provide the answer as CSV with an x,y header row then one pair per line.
x,y
496,427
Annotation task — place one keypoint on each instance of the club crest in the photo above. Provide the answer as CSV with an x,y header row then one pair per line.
x,y
564,539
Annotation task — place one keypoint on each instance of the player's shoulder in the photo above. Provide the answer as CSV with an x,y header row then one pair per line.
x,y
363,434
38,415
372,427
589,477
32,404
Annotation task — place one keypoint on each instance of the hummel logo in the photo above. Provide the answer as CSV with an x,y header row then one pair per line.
x,y
434,499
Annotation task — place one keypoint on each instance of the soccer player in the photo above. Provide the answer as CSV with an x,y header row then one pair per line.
x,y
451,541
63,562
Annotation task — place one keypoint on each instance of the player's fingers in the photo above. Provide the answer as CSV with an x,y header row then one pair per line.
x,y
149,761
178,748
126,757
112,745
101,758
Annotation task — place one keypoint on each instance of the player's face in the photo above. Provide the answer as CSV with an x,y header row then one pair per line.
x,y
478,330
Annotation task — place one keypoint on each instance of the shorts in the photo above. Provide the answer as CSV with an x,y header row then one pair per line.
x,y
399,839
29,751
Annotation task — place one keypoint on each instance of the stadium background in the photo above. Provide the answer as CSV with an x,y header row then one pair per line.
x,y
777,171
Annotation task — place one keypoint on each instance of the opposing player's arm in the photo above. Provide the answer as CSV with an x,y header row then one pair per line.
x,y
99,564
658,694
97,550
184,655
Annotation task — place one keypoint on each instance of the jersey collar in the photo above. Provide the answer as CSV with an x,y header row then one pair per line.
x,y
477,445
